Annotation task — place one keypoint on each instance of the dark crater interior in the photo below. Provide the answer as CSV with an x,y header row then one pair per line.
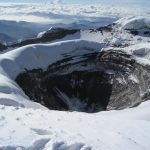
x,y
96,82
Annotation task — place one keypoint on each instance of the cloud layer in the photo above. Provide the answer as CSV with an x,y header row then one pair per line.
x,y
56,12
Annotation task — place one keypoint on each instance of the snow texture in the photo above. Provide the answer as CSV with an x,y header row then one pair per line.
x,y
23,126
28,125
135,23
53,130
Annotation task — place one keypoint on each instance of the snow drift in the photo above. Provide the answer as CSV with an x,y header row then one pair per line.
x,y
135,23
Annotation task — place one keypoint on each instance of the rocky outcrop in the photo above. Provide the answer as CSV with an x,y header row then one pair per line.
x,y
2,47
50,35
130,90
142,32
94,82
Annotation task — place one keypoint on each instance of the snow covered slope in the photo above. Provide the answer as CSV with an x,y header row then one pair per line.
x,y
135,23
52,130
34,129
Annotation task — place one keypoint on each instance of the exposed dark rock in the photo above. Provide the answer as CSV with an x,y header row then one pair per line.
x,y
107,28
2,47
134,32
102,29
51,35
144,32
147,33
130,90
82,91
97,81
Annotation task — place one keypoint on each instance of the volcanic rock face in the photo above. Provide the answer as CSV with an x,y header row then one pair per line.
x,y
50,35
90,83
131,89
81,91
2,47
142,32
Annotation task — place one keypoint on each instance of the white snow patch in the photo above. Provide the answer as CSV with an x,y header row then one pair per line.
x,y
133,78
41,34
44,129
135,23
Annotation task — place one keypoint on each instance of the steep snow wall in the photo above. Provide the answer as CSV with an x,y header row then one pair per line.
x,y
30,57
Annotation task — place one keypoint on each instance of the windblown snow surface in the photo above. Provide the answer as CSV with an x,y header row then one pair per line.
x,y
29,125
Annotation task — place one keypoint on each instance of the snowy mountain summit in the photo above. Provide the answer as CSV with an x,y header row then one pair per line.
x,y
77,87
